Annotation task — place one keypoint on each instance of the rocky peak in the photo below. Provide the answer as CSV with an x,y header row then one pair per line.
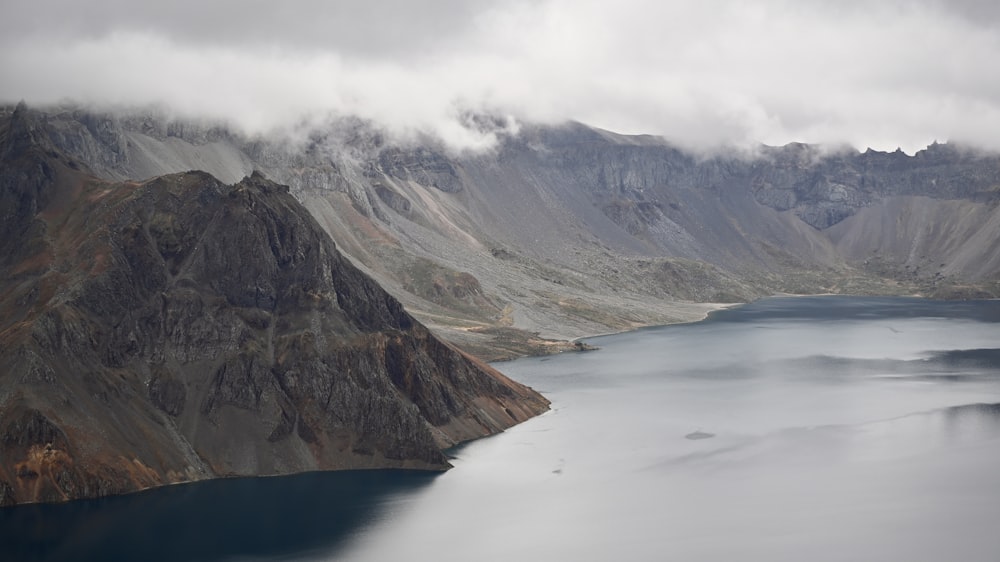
x,y
23,132
181,328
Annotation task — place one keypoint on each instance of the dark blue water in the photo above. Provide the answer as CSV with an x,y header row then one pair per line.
x,y
246,518
825,428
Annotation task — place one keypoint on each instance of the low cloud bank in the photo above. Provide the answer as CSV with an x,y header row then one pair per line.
x,y
716,73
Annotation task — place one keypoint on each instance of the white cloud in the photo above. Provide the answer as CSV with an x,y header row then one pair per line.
x,y
716,72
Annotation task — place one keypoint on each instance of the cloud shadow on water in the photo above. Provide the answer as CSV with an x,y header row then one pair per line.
x,y
216,520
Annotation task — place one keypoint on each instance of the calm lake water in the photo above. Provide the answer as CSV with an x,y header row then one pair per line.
x,y
820,428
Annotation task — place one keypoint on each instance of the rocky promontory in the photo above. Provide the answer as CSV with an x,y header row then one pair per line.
x,y
179,329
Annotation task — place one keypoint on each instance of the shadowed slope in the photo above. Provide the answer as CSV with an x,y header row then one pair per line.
x,y
564,231
179,329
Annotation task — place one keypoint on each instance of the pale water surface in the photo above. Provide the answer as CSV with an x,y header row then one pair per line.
x,y
820,428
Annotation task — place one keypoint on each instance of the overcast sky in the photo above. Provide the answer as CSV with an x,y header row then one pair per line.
x,y
869,73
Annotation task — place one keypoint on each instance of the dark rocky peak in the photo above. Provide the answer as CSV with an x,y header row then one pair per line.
x,y
24,131
96,139
258,181
180,328
33,174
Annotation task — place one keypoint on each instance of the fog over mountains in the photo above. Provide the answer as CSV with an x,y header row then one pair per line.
x,y
261,238
177,329
162,326
706,74
570,230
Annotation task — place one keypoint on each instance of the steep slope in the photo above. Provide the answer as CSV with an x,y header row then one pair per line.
x,y
920,236
569,230
179,329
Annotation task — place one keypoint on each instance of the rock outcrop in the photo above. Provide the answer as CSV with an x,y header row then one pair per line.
x,y
563,231
179,328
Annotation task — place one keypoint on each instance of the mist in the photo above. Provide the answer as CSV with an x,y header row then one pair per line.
x,y
886,76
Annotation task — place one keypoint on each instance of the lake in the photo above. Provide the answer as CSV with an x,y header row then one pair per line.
x,y
806,428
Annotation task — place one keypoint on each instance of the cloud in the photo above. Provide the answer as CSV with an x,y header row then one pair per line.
x,y
702,74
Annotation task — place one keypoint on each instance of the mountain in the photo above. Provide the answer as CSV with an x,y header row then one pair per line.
x,y
180,328
169,314
564,231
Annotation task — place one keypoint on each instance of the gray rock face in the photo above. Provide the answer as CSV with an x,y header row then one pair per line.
x,y
181,328
393,200
424,166
578,216
824,190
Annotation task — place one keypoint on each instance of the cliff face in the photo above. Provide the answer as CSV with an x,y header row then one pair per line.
x,y
569,230
179,329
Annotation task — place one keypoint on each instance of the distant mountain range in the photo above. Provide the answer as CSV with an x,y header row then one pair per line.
x,y
171,313
564,231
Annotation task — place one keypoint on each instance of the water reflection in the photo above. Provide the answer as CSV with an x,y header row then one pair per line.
x,y
842,429
263,518
837,308
791,429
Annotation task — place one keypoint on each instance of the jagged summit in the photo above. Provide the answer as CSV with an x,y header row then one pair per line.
x,y
567,230
181,328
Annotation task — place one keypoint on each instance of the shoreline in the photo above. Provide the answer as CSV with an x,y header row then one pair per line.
x,y
716,307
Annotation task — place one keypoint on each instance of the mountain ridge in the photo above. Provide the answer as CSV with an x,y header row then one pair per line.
x,y
179,328
563,231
